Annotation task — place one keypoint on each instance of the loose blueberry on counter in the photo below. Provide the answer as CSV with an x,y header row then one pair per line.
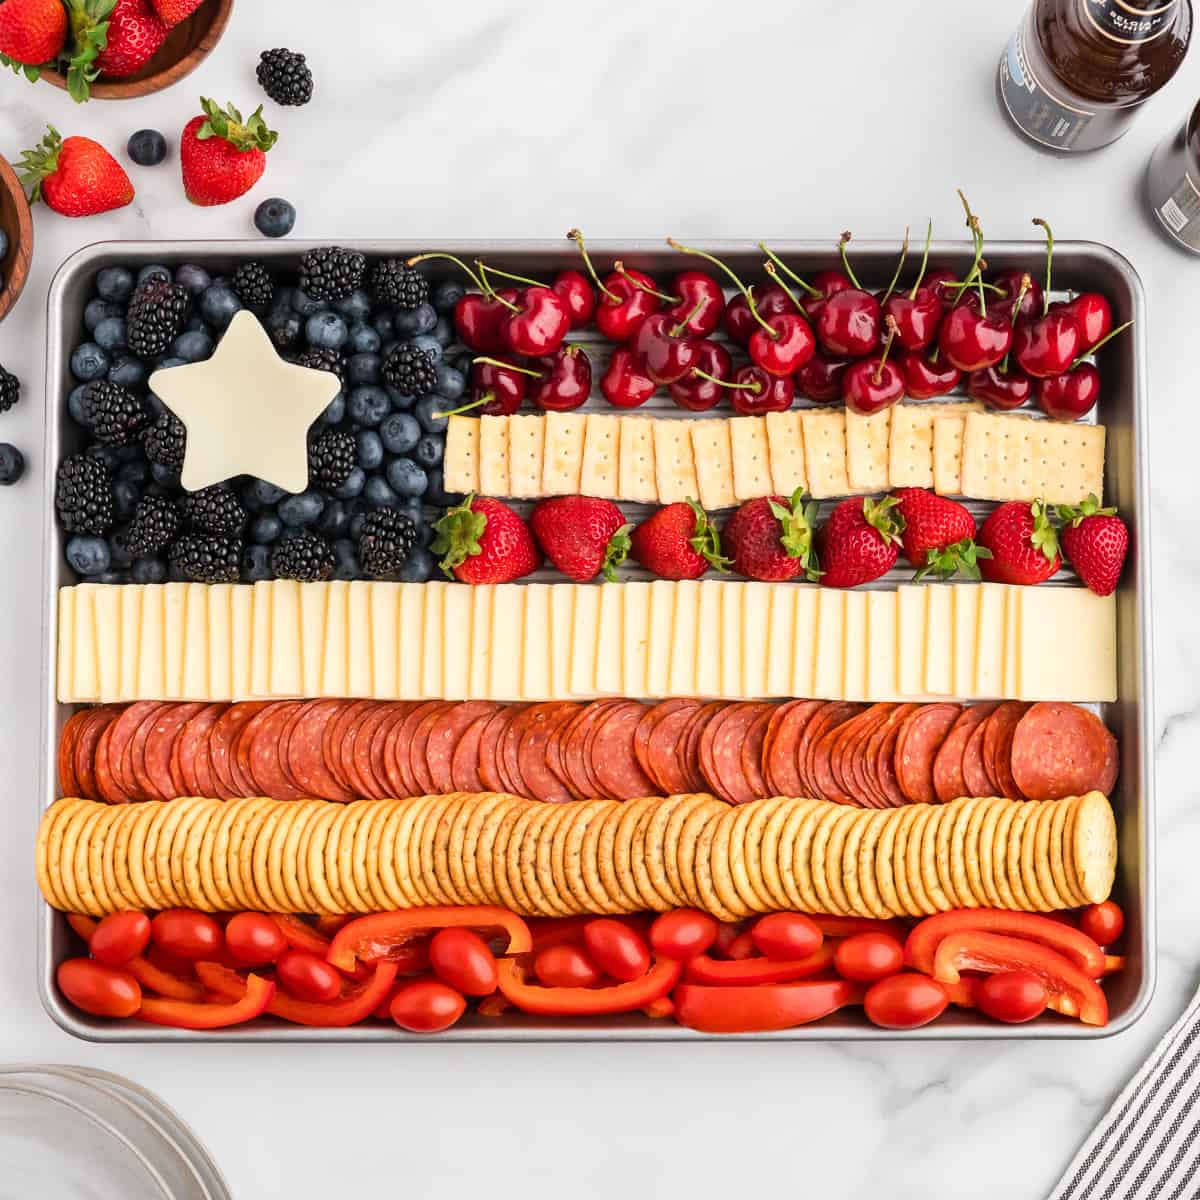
x,y
115,284
368,404
378,492
98,310
447,294
399,432
148,570
88,555
192,277
12,464
147,147
193,347
426,410
219,304
275,218
405,478
300,510
89,362
369,447
430,450
154,271
412,321
265,528
326,330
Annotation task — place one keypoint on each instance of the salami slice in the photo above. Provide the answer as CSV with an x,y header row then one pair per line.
x,y
827,785
752,752
87,749
168,724
850,764
651,717
779,747
258,750
978,781
586,735
1062,750
355,757
534,730
107,787
333,739
554,751
68,783
133,763
395,713
721,752
831,715
691,743
917,746
948,781
397,752
119,740
665,749
510,760
191,743
611,754
464,763
221,742
880,750
417,763
305,751
444,735
997,746
489,751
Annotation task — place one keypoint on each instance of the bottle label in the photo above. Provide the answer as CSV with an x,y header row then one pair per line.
x,y
1130,22
1174,191
1037,111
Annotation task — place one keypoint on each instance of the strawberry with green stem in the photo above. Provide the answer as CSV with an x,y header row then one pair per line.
x,y
679,541
223,155
1023,544
771,538
583,536
483,540
75,176
1096,542
939,535
860,541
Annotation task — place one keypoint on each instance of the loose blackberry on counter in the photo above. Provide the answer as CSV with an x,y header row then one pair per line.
x,y
303,556
157,313
164,441
331,457
114,414
10,390
202,558
153,527
214,509
409,370
254,286
83,495
331,272
395,282
285,76
385,540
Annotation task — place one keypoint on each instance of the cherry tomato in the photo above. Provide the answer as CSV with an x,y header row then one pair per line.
x,y
742,946
866,957
783,936
728,932
1012,996
565,966
99,989
905,1001
683,933
427,1006
1103,923
462,959
254,939
616,949
120,937
186,933
308,977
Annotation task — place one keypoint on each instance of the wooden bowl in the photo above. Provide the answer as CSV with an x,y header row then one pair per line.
x,y
186,47
17,223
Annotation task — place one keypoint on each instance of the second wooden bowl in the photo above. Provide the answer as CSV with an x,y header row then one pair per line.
x,y
18,228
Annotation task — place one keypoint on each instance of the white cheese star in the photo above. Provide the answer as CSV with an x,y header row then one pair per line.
x,y
246,410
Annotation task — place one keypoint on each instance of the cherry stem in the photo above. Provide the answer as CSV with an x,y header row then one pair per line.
x,y
754,386
843,242
485,271
497,362
486,398
1108,337
769,267
975,274
877,375
1026,284
741,287
619,267
891,287
480,283
1049,261
701,304
808,287
577,238
924,260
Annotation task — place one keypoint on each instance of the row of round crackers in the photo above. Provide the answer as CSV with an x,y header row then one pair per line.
x,y
595,856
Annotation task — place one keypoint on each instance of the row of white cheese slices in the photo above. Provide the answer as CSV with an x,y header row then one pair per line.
x,y
566,641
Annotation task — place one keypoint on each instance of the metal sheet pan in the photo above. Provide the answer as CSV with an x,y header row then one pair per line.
x,y
1123,408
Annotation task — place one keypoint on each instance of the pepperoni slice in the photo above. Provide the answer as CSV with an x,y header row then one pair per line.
x,y
1062,750
509,750
133,762
87,749
650,718
396,752
829,716
691,744
191,743
354,753
399,785
464,764
258,750
997,746
878,766
107,787
385,786
975,776
118,741
168,724
948,781
334,736
554,751
578,754
849,763
534,730
917,746
221,743
444,735
752,752
68,783
489,750
779,747
303,755
611,753
665,760
721,751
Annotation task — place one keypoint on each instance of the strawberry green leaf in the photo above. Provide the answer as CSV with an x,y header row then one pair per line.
x,y
618,547
706,541
1044,536
32,73
229,125
89,36
797,523
36,164
458,534
884,517
960,558
1075,515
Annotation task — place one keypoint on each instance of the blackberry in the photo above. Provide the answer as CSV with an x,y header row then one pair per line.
x,y
156,316
254,286
115,415
323,360
10,388
331,272
331,458
214,509
204,559
153,527
164,441
303,556
285,77
394,282
385,541
83,495
409,370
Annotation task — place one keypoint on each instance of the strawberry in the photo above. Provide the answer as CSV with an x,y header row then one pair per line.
x,y
485,541
1023,544
581,535
860,541
135,36
171,12
32,32
939,534
222,156
76,177
678,542
771,538
1096,541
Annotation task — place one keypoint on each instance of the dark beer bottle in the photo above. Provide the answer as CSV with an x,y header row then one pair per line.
x,y
1173,183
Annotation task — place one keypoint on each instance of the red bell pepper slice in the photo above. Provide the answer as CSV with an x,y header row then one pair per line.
x,y
762,1008
660,1010
300,935
383,936
184,1014
841,927
1072,992
1114,964
151,977
586,1002
921,947
718,972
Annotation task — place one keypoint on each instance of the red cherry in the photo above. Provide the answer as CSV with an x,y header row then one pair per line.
x,y
873,384
1047,346
849,323
1071,395
692,287
938,281
820,379
971,341
625,383
539,325
1000,389
666,350
1093,314
770,300
696,393
917,315
758,391
784,345
566,381
574,290
825,284
480,319
497,388
926,377
1010,284
623,305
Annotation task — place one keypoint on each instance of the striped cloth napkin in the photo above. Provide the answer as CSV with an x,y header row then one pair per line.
x,y
1146,1147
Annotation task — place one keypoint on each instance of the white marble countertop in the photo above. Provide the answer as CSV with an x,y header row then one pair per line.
x,y
497,118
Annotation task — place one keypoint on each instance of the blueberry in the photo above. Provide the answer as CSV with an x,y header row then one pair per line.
x,y
156,406
300,510
362,368
421,319
378,493
283,328
353,485
75,404
125,498
119,552
400,402
110,577
274,218
106,455
418,567
400,433
256,564
195,324
170,360
218,304
89,362
148,570
447,294
335,520
153,271
336,412
431,346
98,310
368,405
260,494
356,306
410,506
265,528
305,305
451,382
147,147
425,412
383,324
115,283
166,477
326,330
346,564
356,524
88,555
430,450
405,477
437,495
12,463
364,339
193,347
136,471
370,448
195,279
129,372
443,332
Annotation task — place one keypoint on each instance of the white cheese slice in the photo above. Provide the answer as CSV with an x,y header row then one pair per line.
x,y
756,627
939,640
733,601
609,659
196,656
708,639
220,642
131,638
990,629
87,662
108,642
662,630
585,631
359,653
456,640
151,674
66,644
408,640
433,680
883,622
241,638
1068,645
286,673
686,647
562,621
854,670
335,677
175,598
912,601
804,652
314,605
479,677
779,638
966,623
508,629
635,637
829,681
